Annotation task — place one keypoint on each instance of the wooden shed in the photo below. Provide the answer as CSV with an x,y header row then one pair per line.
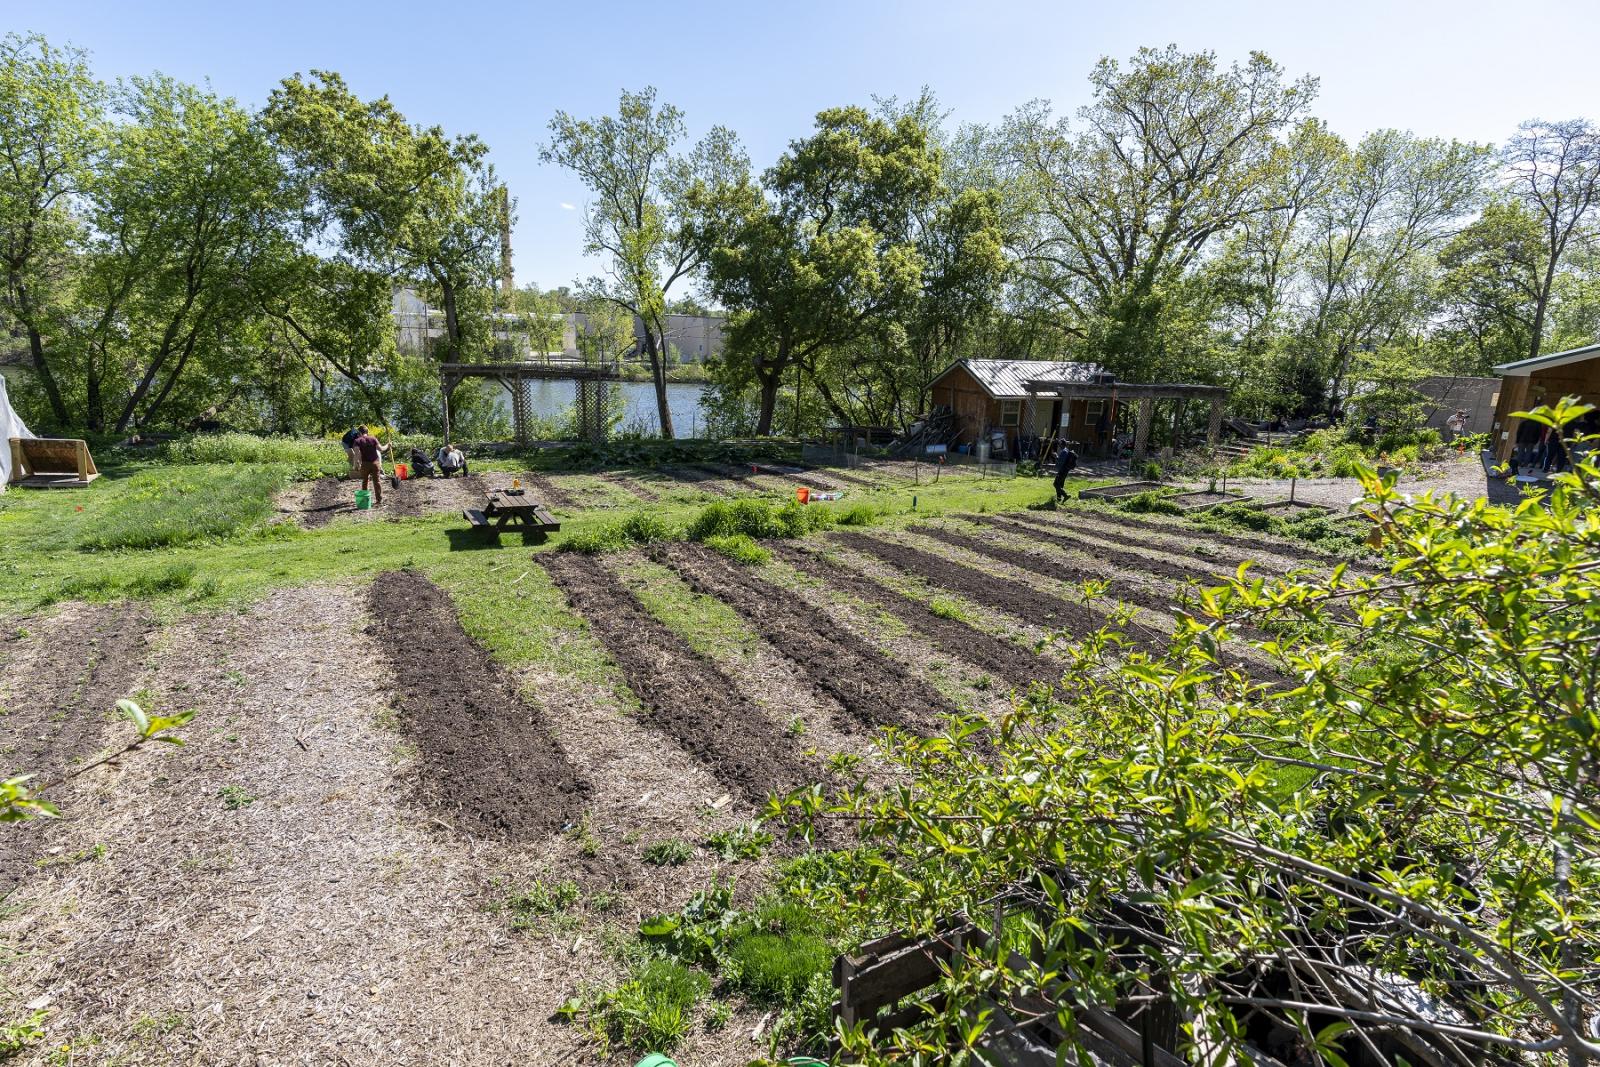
x,y
990,396
1528,383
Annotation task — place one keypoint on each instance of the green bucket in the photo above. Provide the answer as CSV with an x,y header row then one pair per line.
x,y
363,499
656,1059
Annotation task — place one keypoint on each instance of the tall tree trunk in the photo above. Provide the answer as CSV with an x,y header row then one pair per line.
x,y
452,323
770,379
47,378
1541,301
658,372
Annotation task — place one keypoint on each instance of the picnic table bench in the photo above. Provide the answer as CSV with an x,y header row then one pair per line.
x,y
512,510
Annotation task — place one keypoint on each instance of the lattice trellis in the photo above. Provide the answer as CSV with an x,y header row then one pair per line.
x,y
594,410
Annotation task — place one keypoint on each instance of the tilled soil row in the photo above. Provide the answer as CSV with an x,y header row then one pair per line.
x,y
871,687
1066,568
59,714
711,483
549,493
1109,526
847,478
489,762
1011,662
808,477
1145,562
1014,598
687,696
628,485
1129,589
417,497
328,497
1290,549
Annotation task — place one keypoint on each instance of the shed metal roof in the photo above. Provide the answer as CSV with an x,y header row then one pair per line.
x,y
1554,359
1007,379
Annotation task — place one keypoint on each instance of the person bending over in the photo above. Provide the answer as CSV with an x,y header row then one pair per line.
x,y
371,463
451,460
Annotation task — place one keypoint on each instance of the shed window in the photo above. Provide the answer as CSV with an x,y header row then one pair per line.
x,y
1010,412
1093,409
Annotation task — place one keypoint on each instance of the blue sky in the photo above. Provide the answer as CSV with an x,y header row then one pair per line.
x,y
1464,68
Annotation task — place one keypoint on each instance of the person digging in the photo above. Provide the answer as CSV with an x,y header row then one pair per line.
x,y
371,453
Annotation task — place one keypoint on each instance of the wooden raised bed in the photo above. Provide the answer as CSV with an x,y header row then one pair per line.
x,y
1117,492
1203,499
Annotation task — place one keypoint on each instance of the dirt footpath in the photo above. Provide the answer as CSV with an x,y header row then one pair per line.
x,y
273,892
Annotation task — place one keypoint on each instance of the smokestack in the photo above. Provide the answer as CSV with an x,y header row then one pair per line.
x,y
507,285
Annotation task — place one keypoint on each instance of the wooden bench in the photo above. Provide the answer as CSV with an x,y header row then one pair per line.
x,y
51,463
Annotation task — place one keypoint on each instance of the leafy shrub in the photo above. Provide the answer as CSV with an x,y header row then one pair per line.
x,y
795,519
740,548
176,505
744,842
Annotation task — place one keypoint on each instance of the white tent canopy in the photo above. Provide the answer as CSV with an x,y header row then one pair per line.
x,y
11,425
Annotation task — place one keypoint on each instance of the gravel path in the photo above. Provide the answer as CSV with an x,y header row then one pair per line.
x,y
1463,477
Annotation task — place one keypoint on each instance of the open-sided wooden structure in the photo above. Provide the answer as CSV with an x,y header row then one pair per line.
x,y
51,463
1528,383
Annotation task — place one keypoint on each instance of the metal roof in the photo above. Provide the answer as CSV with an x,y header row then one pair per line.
x,y
1519,367
1007,379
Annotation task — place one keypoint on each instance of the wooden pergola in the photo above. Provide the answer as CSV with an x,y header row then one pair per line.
x,y
1146,395
514,376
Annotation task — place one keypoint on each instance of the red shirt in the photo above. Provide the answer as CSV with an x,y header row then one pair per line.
x,y
367,445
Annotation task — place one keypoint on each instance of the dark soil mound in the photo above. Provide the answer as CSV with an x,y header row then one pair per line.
x,y
328,497
686,696
489,763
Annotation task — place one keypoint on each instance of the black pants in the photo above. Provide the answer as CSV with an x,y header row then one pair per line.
x,y
1061,480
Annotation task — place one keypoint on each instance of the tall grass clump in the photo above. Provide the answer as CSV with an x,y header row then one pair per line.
x,y
858,515
640,528
173,506
757,519
309,457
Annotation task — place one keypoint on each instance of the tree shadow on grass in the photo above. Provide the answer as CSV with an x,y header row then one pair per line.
x,y
476,538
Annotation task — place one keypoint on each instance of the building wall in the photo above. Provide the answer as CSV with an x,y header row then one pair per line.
x,y
1477,396
969,403
1521,392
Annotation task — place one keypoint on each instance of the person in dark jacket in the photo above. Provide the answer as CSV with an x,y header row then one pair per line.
x,y
1066,459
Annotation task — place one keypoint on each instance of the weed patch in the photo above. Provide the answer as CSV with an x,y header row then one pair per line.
x,y
669,853
741,548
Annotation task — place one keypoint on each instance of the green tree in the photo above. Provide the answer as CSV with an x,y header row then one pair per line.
x,y
1368,249
828,248
651,203
393,198
1554,169
1174,153
52,131
1490,276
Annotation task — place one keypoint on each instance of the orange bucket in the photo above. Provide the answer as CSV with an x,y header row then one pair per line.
x,y
402,471
802,494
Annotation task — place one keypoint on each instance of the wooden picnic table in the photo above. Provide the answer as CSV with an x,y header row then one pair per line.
x,y
515,510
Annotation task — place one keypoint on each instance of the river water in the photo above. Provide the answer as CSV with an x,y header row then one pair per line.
x,y
555,399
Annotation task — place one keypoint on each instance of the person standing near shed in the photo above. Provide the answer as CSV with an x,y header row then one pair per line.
x,y
371,453
1066,459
